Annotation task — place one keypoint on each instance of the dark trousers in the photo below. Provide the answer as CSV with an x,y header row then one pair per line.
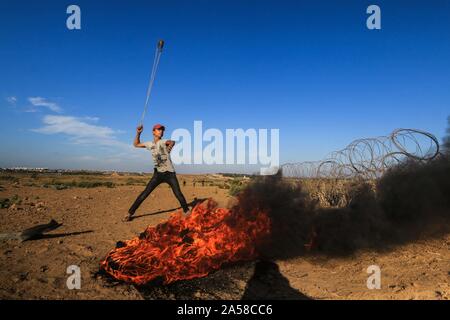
x,y
159,177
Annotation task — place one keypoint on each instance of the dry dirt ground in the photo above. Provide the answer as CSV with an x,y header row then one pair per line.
x,y
92,225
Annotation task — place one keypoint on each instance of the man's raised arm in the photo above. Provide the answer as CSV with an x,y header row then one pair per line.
x,y
137,140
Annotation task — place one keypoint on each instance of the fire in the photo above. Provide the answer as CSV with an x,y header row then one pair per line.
x,y
190,247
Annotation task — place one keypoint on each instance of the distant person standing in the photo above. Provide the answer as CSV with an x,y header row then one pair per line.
x,y
163,170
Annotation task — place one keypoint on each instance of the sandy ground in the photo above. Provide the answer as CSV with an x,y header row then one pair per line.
x,y
92,225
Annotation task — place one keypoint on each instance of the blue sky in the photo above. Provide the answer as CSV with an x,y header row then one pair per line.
x,y
72,99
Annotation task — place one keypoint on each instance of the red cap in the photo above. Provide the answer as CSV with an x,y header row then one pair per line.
x,y
159,126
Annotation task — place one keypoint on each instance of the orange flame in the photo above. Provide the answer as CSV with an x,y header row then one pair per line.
x,y
189,247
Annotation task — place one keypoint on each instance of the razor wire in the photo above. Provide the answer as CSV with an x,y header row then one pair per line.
x,y
368,158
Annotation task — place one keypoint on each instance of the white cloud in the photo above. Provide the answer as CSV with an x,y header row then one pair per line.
x,y
42,102
108,152
86,158
79,131
93,119
11,100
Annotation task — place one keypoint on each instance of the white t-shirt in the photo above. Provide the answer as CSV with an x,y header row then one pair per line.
x,y
161,156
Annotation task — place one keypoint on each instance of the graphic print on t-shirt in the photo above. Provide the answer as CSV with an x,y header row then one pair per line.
x,y
161,156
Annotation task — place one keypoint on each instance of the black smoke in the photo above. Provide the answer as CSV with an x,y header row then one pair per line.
x,y
410,202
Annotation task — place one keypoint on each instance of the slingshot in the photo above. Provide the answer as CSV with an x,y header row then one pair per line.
x,y
159,47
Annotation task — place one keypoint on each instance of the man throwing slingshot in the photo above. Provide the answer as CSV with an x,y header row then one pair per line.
x,y
163,171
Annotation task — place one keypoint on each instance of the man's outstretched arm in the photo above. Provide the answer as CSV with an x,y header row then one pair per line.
x,y
137,140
